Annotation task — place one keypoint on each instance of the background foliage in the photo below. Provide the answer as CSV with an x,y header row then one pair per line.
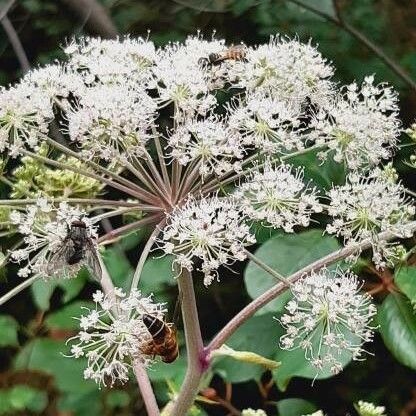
x,y
36,379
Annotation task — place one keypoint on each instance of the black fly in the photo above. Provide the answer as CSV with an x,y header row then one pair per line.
x,y
77,247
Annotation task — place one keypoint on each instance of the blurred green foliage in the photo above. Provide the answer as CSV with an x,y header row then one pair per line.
x,y
34,340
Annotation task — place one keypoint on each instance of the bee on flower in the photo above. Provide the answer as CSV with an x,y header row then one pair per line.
x,y
112,334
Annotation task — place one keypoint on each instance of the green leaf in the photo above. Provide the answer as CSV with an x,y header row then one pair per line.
x,y
157,274
22,397
64,317
295,407
405,279
119,267
285,253
47,355
323,175
26,397
42,290
8,331
397,322
260,335
117,398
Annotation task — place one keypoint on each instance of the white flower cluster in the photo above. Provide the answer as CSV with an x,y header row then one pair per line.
x,y
211,230
252,412
288,69
209,143
24,118
118,61
369,409
366,206
112,333
44,229
360,126
277,196
112,121
327,318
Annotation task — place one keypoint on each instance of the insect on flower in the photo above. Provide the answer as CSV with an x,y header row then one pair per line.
x,y
164,342
77,247
233,53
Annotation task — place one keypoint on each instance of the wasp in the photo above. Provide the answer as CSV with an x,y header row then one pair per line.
x,y
77,247
233,53
164,341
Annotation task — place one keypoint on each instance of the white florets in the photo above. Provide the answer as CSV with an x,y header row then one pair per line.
x,y
361,126
112,122
210,143
112,333
288,70
44,228
267,123
369,409
277,196
211,230
24,118
328,318
364,207
118,61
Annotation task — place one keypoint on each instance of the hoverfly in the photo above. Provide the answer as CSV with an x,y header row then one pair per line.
x,y
77,247
233,53
164,342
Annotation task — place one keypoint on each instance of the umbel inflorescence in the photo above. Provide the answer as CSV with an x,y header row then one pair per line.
x,y
196,144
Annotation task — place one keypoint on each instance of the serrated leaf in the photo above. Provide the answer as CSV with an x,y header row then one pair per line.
x,y
295,407
8,331
405,279
397,322
64,317
285,253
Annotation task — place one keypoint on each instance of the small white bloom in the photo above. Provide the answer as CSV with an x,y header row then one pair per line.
x,y
364,207
210,143
211,230
24,118
112,121
113,61
360,126
288,70
278,196
252,412
267,123
112,339
369,409
332,318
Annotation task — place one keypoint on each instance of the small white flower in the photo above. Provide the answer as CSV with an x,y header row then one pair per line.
x,y
210,143
267,123
288,70
112,334
24,118
278,196
332,318
211,230
113,61
369,409
112,121
360,126
364,207
252,412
